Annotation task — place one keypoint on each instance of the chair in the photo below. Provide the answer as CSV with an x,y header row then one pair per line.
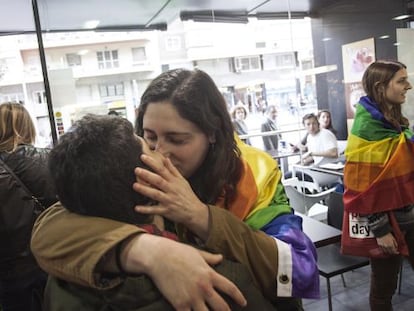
x,y
330,260
342,146
308,204
321,180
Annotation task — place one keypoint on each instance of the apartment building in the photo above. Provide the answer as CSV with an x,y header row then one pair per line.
x,y
95,72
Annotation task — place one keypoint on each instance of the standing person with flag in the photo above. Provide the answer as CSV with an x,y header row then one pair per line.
x,y
379,174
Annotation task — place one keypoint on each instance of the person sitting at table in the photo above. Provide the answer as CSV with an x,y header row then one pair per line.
x,y
321,143
325,121
270,142
321,146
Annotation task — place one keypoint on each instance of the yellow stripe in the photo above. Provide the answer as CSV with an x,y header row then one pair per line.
x,y
265,171
364,151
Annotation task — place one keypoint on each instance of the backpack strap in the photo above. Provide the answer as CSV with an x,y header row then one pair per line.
x,y
39,206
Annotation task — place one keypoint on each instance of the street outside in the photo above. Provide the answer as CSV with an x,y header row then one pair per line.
x,y
286,120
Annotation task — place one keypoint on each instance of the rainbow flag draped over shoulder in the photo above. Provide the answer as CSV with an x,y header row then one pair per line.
x,y
379,169
261,202
260,194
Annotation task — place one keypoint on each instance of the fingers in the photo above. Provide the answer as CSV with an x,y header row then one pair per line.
x,y
215,302
227,287
150,210
211,259
148,180
159,167
388,244
172,168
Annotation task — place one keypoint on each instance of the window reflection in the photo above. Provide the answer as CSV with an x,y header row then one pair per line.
x,y
288,63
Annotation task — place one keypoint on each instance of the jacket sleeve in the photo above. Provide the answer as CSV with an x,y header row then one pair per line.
x,y
70,246
237,241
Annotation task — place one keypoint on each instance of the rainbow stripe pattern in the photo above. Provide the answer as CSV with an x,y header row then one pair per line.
x,y
379,169
261,202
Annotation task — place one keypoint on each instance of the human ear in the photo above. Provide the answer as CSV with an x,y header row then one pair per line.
x,y
379,87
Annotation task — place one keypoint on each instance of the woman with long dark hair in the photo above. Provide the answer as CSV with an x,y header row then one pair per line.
x,y
220,194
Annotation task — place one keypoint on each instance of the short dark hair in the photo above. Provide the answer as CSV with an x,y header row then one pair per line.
x,y
309,116
92,167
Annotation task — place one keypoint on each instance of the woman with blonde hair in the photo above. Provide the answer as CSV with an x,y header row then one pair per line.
x,y
24,182
16,127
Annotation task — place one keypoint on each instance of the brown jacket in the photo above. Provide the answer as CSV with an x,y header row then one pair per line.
x,y
70,246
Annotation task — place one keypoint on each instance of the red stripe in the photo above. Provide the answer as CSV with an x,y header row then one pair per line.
x,y
384,195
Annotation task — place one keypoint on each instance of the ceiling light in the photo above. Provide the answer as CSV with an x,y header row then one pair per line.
x,y
401,17
282,15
212,16
384,37
92,24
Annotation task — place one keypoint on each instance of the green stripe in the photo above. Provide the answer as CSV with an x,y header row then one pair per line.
x,y
278,205
370,129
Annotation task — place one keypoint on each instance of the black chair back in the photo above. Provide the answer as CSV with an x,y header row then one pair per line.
x,y
335,205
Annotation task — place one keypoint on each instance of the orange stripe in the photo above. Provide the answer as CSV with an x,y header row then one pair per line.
x,y
360,176
246,194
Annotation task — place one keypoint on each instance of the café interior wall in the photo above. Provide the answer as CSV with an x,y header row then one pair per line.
x,y
354,21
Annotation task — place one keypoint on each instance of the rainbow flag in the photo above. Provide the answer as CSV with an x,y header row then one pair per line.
x,y
261,202
379,169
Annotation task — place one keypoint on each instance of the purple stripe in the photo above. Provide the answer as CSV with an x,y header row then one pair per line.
x,y
305,274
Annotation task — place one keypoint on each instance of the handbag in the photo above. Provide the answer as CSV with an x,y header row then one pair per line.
x,y
358,239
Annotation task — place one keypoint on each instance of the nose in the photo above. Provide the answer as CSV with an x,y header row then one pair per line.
x,y
161,148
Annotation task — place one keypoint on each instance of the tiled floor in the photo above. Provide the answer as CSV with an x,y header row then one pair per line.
x,y
354,297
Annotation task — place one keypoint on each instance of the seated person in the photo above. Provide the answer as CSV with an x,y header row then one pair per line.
x,y
325,122
321,143
270,142
321,146
93,170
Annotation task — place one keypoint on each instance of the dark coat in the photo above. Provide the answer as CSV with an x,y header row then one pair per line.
x,y
270,142
16,207
139,293
241,129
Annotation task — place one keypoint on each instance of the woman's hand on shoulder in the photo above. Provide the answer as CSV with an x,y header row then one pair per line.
x,y
176,200
181,272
